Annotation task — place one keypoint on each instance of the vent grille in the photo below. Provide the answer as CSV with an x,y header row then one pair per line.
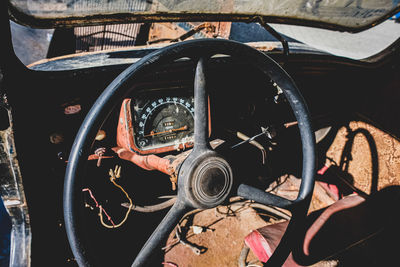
x,y
98,38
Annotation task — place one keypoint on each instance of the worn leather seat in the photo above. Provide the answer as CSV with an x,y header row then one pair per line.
x,y
332,230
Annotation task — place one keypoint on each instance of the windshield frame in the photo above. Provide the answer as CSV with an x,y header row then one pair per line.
x,y
141,17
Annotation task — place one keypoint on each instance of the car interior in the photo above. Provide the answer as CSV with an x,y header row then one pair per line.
x,y
106,131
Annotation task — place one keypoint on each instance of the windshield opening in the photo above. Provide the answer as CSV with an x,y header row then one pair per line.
x,y
32,45
356,46
66,41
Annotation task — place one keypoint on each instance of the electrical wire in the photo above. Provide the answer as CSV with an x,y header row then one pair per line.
x,y
151,208
101,209
114,174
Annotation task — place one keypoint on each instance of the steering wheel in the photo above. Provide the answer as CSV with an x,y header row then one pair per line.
x,y
205,178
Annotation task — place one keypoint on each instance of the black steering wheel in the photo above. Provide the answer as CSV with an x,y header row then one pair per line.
x,y
205,178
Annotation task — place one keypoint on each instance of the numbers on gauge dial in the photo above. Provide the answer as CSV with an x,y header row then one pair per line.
x,y
165,121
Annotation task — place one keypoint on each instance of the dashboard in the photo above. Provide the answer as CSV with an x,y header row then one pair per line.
x,y
158,117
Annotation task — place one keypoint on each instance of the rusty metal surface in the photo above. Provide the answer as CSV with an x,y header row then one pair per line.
x,y
222,245
365,156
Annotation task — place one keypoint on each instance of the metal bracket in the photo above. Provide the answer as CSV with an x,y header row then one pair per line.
x,y
276,34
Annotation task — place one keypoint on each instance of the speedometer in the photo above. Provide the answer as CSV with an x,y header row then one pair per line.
x,y
156,125
165,121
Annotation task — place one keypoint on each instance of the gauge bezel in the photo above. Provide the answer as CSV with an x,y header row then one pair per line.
x,y
144,114
128,117
126,134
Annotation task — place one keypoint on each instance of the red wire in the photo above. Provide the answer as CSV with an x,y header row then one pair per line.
x,y
91,195
97,205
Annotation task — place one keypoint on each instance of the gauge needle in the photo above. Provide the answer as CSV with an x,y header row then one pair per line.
x,y
152,133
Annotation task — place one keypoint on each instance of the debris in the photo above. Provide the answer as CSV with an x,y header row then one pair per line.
x,y
195,249
200,229
197,229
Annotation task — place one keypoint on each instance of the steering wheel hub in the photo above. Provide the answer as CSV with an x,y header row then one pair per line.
x,y
212,181
206,180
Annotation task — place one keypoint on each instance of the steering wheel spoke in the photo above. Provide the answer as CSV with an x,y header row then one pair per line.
x,y
200,106
266,198
161,233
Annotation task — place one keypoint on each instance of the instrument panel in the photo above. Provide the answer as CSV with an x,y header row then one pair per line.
x,y
156,124
164,121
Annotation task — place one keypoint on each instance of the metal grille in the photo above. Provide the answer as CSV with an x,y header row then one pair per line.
x,y
98,38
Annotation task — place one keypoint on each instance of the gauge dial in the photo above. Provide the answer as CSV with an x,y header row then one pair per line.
x,y
166,121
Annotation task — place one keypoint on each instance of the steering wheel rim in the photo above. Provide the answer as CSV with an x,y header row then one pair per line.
x,y
121,86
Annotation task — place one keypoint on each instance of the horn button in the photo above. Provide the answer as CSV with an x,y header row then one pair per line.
x,y
206,179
